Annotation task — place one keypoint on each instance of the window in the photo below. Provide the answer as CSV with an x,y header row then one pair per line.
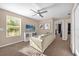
x,y
13,26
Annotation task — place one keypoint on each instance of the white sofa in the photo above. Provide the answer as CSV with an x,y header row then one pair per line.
x,y
41,42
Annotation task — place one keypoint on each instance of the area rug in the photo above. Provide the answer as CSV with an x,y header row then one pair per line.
x,y
30,51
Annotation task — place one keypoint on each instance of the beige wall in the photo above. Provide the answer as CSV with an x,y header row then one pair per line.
x,y
7,40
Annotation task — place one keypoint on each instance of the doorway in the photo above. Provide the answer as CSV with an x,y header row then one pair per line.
x,y
69,28
69,33
60,30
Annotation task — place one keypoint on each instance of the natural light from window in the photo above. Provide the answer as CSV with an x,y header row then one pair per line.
x,y
13,26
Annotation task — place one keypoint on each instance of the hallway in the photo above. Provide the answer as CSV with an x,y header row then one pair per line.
x,y
59,48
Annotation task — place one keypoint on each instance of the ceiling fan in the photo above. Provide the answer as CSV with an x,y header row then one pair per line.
x,y
38,12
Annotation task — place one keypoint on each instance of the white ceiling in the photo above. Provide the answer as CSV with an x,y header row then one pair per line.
x,y
56,10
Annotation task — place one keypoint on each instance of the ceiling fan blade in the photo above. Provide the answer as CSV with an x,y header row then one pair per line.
x,y
44,12
40,15
33,10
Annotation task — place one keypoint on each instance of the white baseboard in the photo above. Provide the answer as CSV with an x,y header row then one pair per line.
x,y
10,43
77,54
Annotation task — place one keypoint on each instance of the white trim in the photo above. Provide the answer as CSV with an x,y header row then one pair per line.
x,y
10,43
77,54
72,42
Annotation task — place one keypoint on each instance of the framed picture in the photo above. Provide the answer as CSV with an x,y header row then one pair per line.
x,y
41,26
45,26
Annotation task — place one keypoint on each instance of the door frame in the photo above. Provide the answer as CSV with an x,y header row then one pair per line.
x,y
72,42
